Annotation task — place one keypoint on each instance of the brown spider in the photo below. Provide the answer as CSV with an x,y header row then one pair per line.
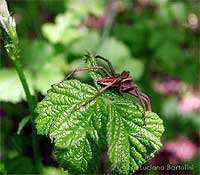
x,y
123,82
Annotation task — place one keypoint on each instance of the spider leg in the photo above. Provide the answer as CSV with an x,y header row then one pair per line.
x,y
134,91
127,89
87,68
143,105
146,99
109,64
98,93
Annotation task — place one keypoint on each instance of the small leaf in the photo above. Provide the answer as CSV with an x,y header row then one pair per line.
x,y
22,123
10,85
65,29
50,32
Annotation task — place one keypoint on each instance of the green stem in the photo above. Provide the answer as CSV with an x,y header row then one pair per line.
x,y
11,45
11,42
31,105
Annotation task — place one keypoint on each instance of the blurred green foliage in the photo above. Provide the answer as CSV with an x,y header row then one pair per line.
x,y
150,40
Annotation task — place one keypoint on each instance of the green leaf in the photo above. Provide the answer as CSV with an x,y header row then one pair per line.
x,y
35,53
95,74
47,76
10,85
79,133
88,42
71,129
65,30
46,67
114,49
130,143
22,123
80,159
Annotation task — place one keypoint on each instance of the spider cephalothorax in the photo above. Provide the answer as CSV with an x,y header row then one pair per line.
x,y
122,82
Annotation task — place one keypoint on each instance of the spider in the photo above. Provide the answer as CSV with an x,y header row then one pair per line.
x,y
123,83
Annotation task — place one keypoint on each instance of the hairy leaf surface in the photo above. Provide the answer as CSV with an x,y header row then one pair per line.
x,y
130,143
70,128
110,119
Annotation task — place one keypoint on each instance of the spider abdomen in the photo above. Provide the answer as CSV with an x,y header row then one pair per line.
x,y
107,81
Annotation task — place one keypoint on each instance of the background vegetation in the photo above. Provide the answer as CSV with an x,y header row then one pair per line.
x,y
158,41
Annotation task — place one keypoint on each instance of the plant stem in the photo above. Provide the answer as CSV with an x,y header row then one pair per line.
x,y
11,41
31,105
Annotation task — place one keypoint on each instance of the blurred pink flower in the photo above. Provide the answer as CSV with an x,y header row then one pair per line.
x,y
93,22
172,153
167,86
189,103
181,148
193,22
